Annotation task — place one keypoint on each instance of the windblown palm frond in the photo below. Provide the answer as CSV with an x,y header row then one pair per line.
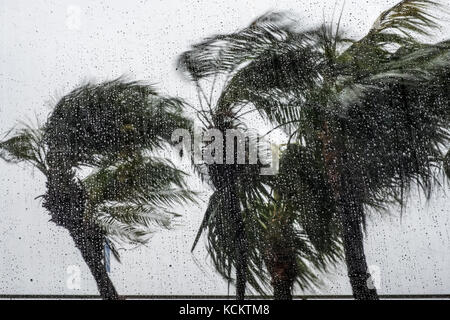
x,y
394,28
272,64
134,194
115,126
398,128
25,146
328,87
223,54
409,17
107,119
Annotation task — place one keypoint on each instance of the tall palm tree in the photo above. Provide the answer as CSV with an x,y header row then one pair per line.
x,y
292,233
302,226
224,219
375,110
246,225
113,128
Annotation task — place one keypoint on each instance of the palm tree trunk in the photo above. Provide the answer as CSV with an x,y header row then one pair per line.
x,y
281,263
240,242
282,290
354,250
351,212
66,200
90,243
225,178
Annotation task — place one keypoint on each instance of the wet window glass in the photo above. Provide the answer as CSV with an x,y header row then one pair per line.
x,y
240,149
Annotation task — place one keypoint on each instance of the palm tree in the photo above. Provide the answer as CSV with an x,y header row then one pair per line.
x,y
246,225
301,227
375,111
112,128
292,233
281,254
224,219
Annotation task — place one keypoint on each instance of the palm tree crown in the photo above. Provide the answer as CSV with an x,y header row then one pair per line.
x,y
113,128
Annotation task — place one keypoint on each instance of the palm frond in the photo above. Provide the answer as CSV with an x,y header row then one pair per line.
x,y
396,27
140,179
136,193
119,232
222,54
26,145
398,129
221,244
407,17
110,119
271,64
138,220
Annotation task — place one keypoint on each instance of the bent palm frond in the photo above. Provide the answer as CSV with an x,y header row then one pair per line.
x,y
26,145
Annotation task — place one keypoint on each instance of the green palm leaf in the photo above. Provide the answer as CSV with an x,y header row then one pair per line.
x,y
26,145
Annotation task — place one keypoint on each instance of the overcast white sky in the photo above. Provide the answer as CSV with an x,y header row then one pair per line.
x,y
48,47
